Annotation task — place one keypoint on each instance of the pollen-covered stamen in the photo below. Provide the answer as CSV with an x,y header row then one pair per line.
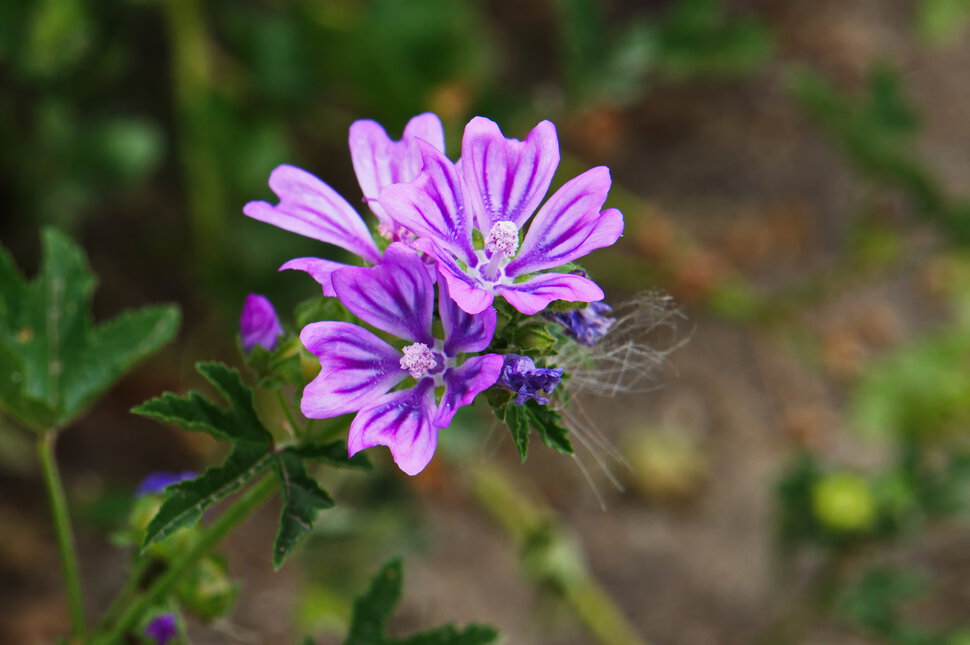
x,y
418,359
503,239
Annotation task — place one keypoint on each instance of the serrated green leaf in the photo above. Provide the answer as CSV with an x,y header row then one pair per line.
x,y
374,608
450,635
333,453
518,425
303,499
59,361
546,422
194,412
186,500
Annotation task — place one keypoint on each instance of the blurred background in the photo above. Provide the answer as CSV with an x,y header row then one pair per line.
x,y
794,174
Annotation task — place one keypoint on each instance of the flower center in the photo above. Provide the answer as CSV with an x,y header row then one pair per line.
x,y
418,359
503,239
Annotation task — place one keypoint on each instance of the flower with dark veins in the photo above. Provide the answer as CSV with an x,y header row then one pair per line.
x,y
586,325
309,207
359,370
521,376
495,189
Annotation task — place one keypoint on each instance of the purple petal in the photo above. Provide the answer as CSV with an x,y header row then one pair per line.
x,y
401,421
379,161
533,295
396,296
462,385
311,208
506,179
463,290
569,225
464,332
162,629
356,367
258,323
432,206
318,268
155,483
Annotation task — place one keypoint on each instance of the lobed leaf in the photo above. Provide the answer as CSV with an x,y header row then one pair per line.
x,y
239,423
303,499
59,362
546,422
450,635
373,610
186,500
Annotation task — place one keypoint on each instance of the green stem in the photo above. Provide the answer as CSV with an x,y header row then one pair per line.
x,y
208,540
533,526
135,578
62,528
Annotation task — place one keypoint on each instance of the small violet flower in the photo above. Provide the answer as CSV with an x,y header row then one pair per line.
x,y
587,325
155,483
258,323
359,370
162,629
311,208
520,375
495,189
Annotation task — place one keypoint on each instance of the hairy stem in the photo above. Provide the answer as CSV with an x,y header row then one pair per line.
x,y
62,528
248,502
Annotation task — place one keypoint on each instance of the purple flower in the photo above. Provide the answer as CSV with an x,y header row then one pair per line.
x,y
258,324
155,483
520,375
359,370
586,325
162,629
495,189
311,208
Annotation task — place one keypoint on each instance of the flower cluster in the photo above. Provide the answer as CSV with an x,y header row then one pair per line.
x,y
459,233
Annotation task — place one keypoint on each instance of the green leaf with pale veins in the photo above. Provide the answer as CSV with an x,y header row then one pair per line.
x,y
195,412
303,499
186,500
253,452
56,360
374,609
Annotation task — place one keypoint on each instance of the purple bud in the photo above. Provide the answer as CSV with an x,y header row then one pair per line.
x,y
162,629
520,375
258,324
587,325
156,483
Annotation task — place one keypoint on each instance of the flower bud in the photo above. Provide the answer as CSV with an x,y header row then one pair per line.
x,y
258,323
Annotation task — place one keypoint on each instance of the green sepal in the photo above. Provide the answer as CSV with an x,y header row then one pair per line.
x,y
280,366
56,360
303,499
